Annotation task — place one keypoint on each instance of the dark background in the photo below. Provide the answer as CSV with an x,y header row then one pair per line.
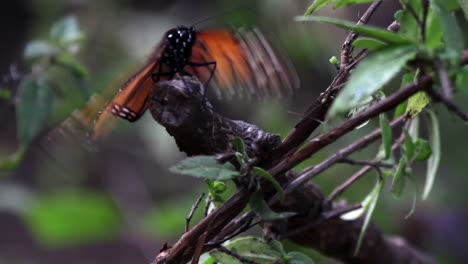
x,y
67,205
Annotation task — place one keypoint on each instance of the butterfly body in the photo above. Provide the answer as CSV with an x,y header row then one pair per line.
x,y
178,48
169,58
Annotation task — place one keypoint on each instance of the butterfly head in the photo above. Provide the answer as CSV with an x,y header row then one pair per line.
x,y
179,46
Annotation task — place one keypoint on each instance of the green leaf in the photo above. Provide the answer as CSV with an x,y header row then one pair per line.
x,y
33,109
205,258
261,208
298,258
218,187
414,128
271,179
434,160
373,199
398,184
343,3
452,5
422,149
215,191
333,60
66,31
5,94
409,77
453,36
415,197
409,145
38,48
434,32
378,33
464,6
461,81
277,246
316,5
249,247
416,103
206,167
387,135
72,217
397,15
14,160
370,76
409,25
239,145
365,104
247,244
369,43
400,109
72,64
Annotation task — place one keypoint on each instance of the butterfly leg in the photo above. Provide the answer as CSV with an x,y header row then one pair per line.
x,y
205,64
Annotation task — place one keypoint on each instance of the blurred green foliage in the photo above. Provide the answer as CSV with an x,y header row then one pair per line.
x,y
50,59
257,250
73,217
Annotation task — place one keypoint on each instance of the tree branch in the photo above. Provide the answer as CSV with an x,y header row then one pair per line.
x,y
306,199
323,140
449,104
377,164
198,130
341,188
347,47
447,90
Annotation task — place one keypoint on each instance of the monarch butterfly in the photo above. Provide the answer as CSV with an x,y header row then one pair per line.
x,y
242,59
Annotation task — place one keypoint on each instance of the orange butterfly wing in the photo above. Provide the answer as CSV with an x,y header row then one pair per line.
x,y
244,60
131,101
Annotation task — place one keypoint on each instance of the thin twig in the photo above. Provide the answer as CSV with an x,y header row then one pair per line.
x,y
347,47
412,11
366,162
237,256
341,188
192,211
323,217
308,173
394,26
199,248
449,104
447,90
357,175
208,202
425,9
247,225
